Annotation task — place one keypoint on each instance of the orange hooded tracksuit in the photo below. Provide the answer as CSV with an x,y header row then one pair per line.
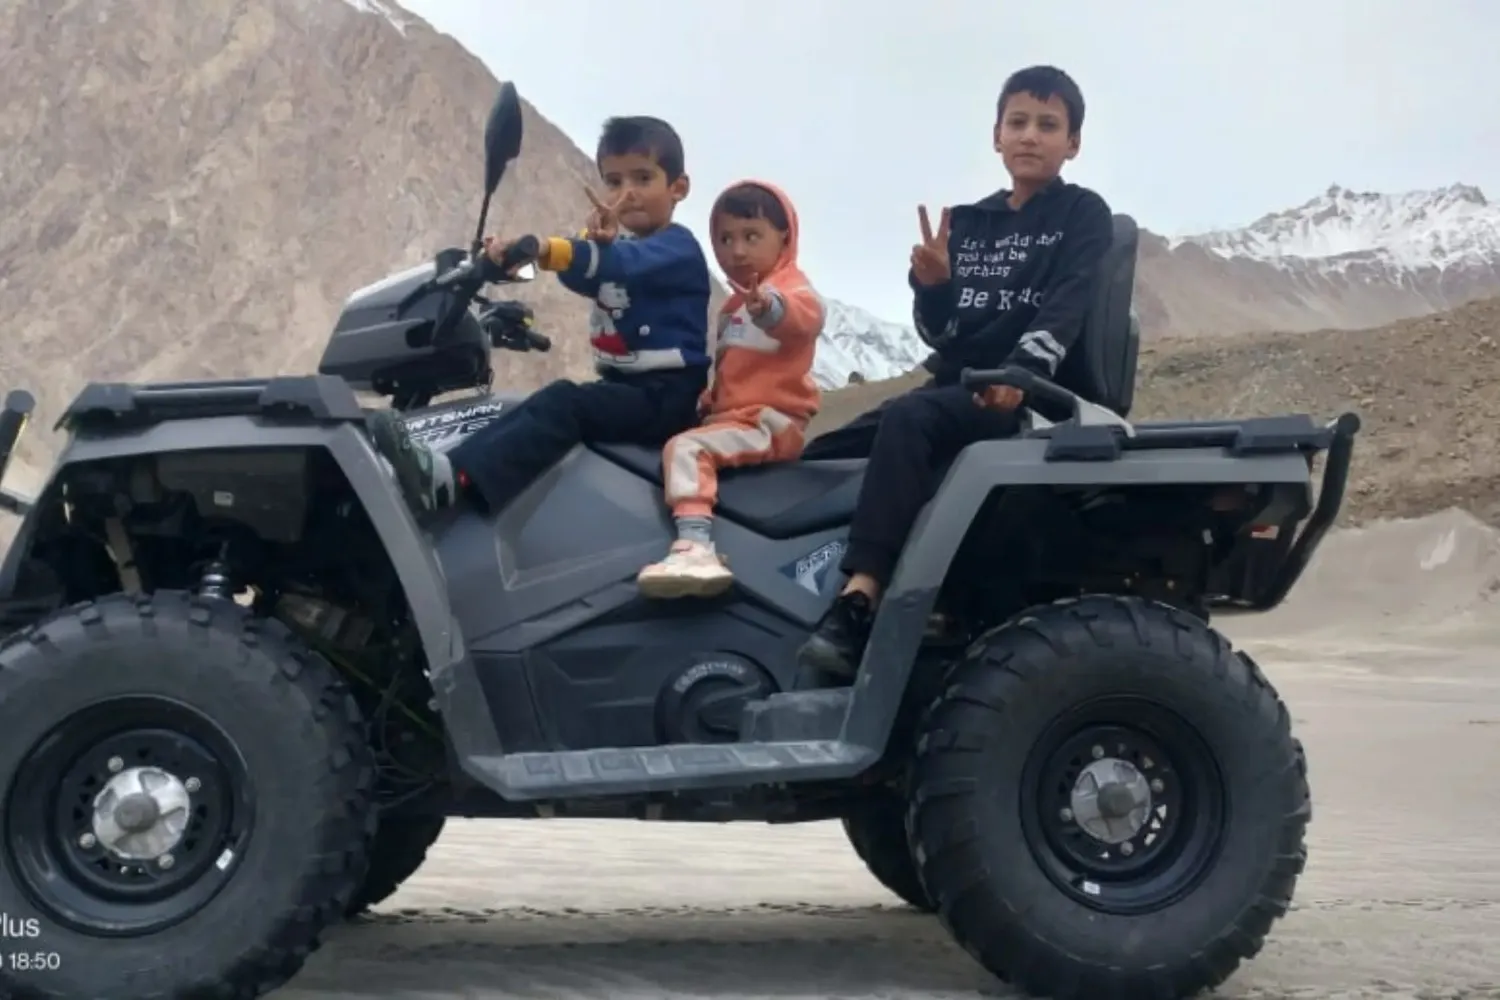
x,y
762,394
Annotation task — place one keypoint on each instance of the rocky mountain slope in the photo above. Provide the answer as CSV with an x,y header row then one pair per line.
x,y
1427,390
297,150
195,192
858,343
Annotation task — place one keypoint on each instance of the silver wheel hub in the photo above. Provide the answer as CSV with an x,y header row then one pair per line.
x,y
1111,800
141,813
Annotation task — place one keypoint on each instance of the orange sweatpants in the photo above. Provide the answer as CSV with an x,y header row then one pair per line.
x,y
727,440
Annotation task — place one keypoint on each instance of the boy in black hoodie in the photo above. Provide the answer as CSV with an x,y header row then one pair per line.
x,y
1007,280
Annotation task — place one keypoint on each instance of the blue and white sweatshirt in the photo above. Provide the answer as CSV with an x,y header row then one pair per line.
x,y
650,298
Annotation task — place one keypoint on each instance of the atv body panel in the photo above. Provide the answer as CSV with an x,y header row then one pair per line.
x,y
576,666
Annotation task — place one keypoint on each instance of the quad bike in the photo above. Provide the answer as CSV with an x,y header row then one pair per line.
x,y
243,686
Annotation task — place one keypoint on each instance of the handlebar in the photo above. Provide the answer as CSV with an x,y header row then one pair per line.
x,y
479,269
1029,382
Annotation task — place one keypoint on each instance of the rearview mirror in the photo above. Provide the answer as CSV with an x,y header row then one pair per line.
x,y
502,136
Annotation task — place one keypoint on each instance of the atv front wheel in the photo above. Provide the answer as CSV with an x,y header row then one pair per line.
x,y
1108,801
188,799
399,849
876,830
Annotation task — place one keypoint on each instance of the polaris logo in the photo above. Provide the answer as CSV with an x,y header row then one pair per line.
x,y
811,571
450,425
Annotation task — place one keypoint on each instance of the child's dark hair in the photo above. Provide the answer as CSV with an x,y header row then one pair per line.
x,y
751,201
643,136
1043,83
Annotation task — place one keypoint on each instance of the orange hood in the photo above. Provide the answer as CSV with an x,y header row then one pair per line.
x,y
788,259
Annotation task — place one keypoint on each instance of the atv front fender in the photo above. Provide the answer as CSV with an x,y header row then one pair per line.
x,y
412,558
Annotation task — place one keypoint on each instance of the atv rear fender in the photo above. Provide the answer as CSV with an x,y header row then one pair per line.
x,y
1263,450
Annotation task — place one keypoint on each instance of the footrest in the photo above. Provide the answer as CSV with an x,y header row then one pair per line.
x,y
634,770
796,715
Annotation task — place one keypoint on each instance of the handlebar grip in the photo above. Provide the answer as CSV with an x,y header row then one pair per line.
x,y
1029,382
522,251
539,341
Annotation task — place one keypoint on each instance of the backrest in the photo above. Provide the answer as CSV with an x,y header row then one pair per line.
x,y
1100,367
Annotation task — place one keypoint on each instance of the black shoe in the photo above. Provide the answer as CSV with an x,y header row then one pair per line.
x,y
831,655
414,464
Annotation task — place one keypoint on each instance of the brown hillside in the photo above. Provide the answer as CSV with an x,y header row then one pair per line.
x,y
1428,391
195,192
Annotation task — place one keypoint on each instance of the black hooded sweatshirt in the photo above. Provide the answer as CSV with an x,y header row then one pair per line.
x,y
1022,281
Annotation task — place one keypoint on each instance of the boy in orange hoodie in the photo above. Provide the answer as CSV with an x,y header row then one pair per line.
x,y
761,395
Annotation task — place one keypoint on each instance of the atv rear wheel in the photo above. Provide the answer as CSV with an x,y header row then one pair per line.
x,y
1108,801
188,799
877,831
399,849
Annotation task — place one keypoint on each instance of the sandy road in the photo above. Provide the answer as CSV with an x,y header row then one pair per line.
x,y
1401,898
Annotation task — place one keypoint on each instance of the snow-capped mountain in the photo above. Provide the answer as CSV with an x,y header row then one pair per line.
x,y
857,342
1448,227
1345,259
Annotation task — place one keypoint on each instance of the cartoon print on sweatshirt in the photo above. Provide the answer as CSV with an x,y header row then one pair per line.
x,y
609,306
649,297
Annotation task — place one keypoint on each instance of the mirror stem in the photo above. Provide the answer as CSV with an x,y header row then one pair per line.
x,y
484,211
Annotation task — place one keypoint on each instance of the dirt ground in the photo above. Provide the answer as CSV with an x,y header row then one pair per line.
x,y
1386,658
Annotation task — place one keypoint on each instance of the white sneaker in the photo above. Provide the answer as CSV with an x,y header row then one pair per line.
x,y
691,569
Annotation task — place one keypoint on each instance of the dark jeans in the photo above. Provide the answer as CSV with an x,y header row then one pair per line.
x,y
505,457
910,441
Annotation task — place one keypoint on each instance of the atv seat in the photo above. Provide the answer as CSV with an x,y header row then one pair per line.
x,y
1101,366
787,499
776,500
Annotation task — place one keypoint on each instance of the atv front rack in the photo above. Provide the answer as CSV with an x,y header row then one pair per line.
x,y
117,406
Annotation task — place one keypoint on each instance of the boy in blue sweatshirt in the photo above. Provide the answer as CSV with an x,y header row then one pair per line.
x,y
648,279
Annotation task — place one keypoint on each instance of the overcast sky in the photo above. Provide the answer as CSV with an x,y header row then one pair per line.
x,y
1200,113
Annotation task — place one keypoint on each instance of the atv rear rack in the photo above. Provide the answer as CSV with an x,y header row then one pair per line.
x,y
1340,451
298,399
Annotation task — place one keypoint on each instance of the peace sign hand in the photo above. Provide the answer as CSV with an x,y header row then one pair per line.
x,y
755,299
929,258
604,222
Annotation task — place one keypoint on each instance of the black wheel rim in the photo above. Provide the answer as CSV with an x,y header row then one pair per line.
x,y
128,817
1123,805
